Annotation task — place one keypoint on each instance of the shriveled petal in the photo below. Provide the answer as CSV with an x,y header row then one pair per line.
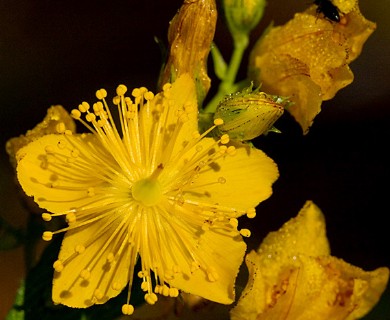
x,y
49,170
223,253
91,274
309,47
326,288
242,179
292,276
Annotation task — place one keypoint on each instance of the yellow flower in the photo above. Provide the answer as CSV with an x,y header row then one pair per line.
x,y
307,59
151,187
293,277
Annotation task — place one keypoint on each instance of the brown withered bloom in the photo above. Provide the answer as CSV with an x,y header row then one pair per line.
x,y
190,35
308,58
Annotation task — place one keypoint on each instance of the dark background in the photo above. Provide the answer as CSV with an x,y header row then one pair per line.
x,y
60,52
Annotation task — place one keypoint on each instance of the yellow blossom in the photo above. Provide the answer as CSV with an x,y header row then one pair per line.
x,y
293,277
146,186
308,58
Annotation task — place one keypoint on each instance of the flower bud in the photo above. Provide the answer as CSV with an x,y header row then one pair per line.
x,y
190,35
249,114
243,15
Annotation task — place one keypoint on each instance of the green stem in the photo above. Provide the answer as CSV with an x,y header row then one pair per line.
x,y
227,85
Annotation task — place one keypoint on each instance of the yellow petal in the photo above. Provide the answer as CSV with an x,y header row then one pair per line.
x,y
89,275
244,178
223,253
50,170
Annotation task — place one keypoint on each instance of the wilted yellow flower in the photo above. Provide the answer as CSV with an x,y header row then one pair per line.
x,y
307,59
56,115
151,188
190,35
293,277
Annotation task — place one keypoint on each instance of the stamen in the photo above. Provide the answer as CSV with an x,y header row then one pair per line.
x,y
245,233
58,266
46,216
150,298
127,309
47,236
251,213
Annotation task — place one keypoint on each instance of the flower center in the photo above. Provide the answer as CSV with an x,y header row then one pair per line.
x,y
147,191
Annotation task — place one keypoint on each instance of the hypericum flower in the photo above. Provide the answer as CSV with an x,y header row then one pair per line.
x,y
293,277
151,187
307,58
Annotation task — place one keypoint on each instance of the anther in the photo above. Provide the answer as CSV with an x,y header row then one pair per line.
x,y
47,235
233,222
221,180
76,114
144,286
231,150
245,233
79,249
225,139
212,274
90,117
136,93
98,107
46,216
115,286
158,289
121,90
149,96
116,100
85,274
49,149
58,266
98,294
218,122
101,94
151,298
84,106
165,291
166,87
110,257
70,217
173,292
251,213
127,309
60,127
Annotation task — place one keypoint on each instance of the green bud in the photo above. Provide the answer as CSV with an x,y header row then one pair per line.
x,y
249,114
243,15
